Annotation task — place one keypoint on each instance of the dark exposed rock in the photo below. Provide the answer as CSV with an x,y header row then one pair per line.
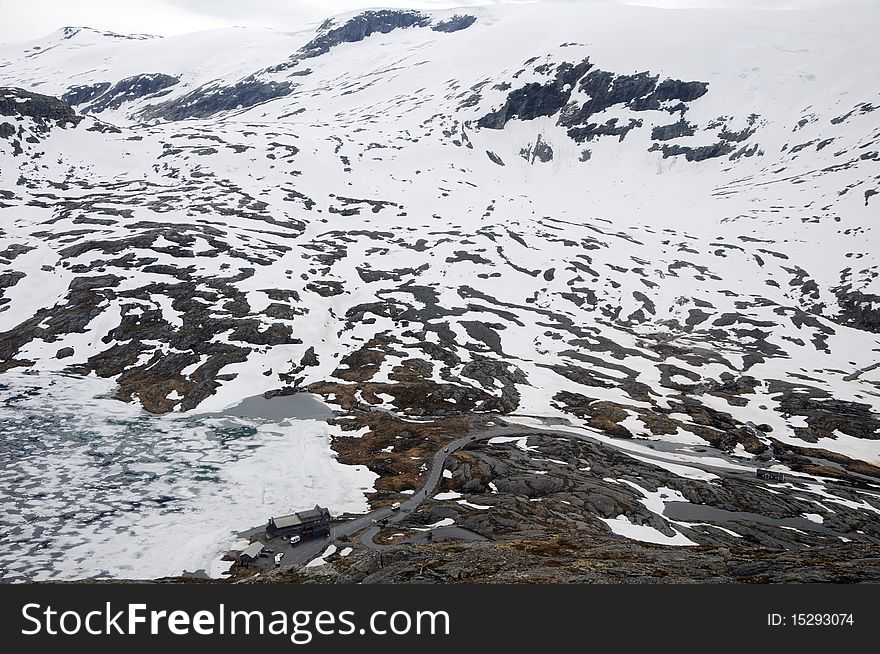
x,y
101,98
209,100
81,94
90,283
824,416
604,416
746,151
45,110
736,137
699,153
309,358
369,275
375,205
494,158
675,89
454,23
15,249
864,108
154,381
104,128
326,288
361,26
462,255
534,100
609,128
72,316
606,90
10,279
638,92
575,559
673,131
540,150
857,309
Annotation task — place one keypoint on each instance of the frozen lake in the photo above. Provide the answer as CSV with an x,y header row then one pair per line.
x,y
302,406
93,487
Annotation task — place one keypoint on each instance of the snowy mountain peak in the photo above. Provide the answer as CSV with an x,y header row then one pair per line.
x,y
83,36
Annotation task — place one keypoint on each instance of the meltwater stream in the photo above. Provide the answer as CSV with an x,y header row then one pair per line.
x,y
91,487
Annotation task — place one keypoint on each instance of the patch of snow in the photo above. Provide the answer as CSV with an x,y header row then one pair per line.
x,y
622,526
445,522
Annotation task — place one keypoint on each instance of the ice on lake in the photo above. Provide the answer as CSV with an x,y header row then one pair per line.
x,y
94,487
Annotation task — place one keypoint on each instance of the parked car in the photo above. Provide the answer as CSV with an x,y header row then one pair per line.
x,y
294,540
278,558
264,554
269,550
395,506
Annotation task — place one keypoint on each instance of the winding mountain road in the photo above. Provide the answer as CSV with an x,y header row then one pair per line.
x,y
309,549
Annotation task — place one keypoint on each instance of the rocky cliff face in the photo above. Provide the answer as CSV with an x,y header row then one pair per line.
x,y
102,95
31,117
360,27
45,111
209,100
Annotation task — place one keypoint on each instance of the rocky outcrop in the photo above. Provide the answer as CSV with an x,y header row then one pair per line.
x,y
80,94
364,25
101,96
699,153
673,131
361,26
534,100
539,151
454,24
858,310
45,110
609,128
572,559
210,100
637,93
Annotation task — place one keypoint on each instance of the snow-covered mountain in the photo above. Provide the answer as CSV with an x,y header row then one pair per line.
x,y
650,223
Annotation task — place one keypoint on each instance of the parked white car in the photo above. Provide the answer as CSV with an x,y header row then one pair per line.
x,y
278,558
395,506
294,540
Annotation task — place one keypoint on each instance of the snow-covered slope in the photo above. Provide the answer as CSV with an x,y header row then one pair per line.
x,y
654,223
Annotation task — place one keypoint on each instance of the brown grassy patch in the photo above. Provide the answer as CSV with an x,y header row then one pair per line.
x,y
414,444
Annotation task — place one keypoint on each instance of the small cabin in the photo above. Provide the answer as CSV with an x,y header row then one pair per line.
x,y
763,473
250,554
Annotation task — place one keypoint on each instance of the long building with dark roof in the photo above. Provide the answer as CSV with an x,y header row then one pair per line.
x,y
303,523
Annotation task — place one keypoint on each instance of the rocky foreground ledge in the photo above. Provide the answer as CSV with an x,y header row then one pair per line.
x,y
580,560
